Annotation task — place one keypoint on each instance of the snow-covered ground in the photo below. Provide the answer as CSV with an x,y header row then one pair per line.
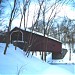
x,y
15,62
65,60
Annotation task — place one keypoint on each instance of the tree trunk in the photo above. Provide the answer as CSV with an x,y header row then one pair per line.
x,y
70,55
45,56
7,42
70,50
9,28
42,55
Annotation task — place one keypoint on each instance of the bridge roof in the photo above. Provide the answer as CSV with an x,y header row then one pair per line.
x,y
37,33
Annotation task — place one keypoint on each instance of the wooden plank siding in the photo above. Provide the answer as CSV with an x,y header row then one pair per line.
x,y
36,42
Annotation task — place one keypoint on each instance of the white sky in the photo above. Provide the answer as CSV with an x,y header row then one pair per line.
x,y
32,10
65,10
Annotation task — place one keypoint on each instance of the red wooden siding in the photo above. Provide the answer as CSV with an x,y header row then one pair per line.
x,y
45,44
38,42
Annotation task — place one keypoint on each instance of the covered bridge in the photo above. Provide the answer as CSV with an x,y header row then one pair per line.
x,y
35,41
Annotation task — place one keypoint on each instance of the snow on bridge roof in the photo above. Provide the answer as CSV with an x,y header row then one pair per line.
x,y
38,33
41,34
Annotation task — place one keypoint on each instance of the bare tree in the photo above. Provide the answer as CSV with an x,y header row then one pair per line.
x,y
9,27
46,24
66,30
49,22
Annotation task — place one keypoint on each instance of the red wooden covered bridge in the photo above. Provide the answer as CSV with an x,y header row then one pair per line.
x,y
35,41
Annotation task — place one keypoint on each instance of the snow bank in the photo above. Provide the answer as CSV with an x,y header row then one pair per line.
x,y
15,62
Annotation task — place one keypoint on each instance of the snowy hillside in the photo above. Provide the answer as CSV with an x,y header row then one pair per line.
x,y
16,63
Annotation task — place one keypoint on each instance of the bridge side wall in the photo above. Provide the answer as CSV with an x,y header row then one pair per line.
x,y
35,42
